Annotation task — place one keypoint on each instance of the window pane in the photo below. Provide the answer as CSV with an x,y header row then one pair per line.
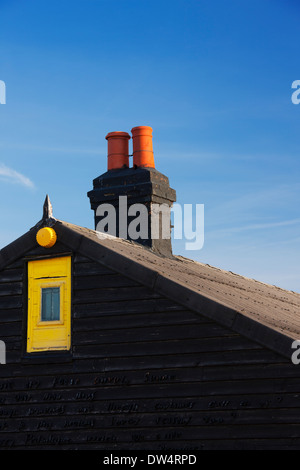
x,y
50,304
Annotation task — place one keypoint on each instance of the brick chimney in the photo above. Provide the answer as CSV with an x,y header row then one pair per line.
x,y
141,193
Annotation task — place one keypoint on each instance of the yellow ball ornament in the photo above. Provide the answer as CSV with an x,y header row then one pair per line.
x,y
46,237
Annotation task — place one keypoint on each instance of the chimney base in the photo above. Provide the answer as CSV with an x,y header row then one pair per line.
x,y
145,186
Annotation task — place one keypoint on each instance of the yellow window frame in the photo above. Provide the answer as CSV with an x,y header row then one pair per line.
x,y
52,334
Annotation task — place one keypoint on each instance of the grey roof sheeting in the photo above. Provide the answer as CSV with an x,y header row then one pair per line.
x,y
263,313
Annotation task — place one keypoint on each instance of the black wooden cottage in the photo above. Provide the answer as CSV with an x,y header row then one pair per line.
x,y
162,353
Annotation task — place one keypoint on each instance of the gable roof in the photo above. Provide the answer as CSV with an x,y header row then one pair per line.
x,y
266,314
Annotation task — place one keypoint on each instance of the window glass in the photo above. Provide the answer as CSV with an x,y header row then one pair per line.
x,y
50,304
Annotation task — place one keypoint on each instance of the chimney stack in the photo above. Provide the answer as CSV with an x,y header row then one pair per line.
x,y
123,187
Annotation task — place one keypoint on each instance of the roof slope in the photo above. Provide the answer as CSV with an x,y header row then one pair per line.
x,y
266,314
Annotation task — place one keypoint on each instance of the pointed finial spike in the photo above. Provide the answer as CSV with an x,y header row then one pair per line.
x,y
47,209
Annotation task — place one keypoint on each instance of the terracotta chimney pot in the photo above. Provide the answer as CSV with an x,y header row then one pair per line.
x,y
142,147
117,150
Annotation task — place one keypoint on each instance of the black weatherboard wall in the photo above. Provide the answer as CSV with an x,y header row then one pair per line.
x,y
144,371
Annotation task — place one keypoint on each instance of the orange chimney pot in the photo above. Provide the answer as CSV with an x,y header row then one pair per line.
x,y
117,150
142,147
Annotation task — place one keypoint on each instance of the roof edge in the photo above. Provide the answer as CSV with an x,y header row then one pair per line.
x,y
17,248
209,308
255,331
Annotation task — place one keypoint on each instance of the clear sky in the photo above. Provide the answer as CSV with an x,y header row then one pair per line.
x,y
211,77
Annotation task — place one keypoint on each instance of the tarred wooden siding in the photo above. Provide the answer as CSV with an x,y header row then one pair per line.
x,y
143,374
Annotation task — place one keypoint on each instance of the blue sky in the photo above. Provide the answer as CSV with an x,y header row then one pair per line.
x,y
212,78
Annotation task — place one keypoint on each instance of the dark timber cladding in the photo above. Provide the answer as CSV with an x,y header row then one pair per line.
x,y
147,370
